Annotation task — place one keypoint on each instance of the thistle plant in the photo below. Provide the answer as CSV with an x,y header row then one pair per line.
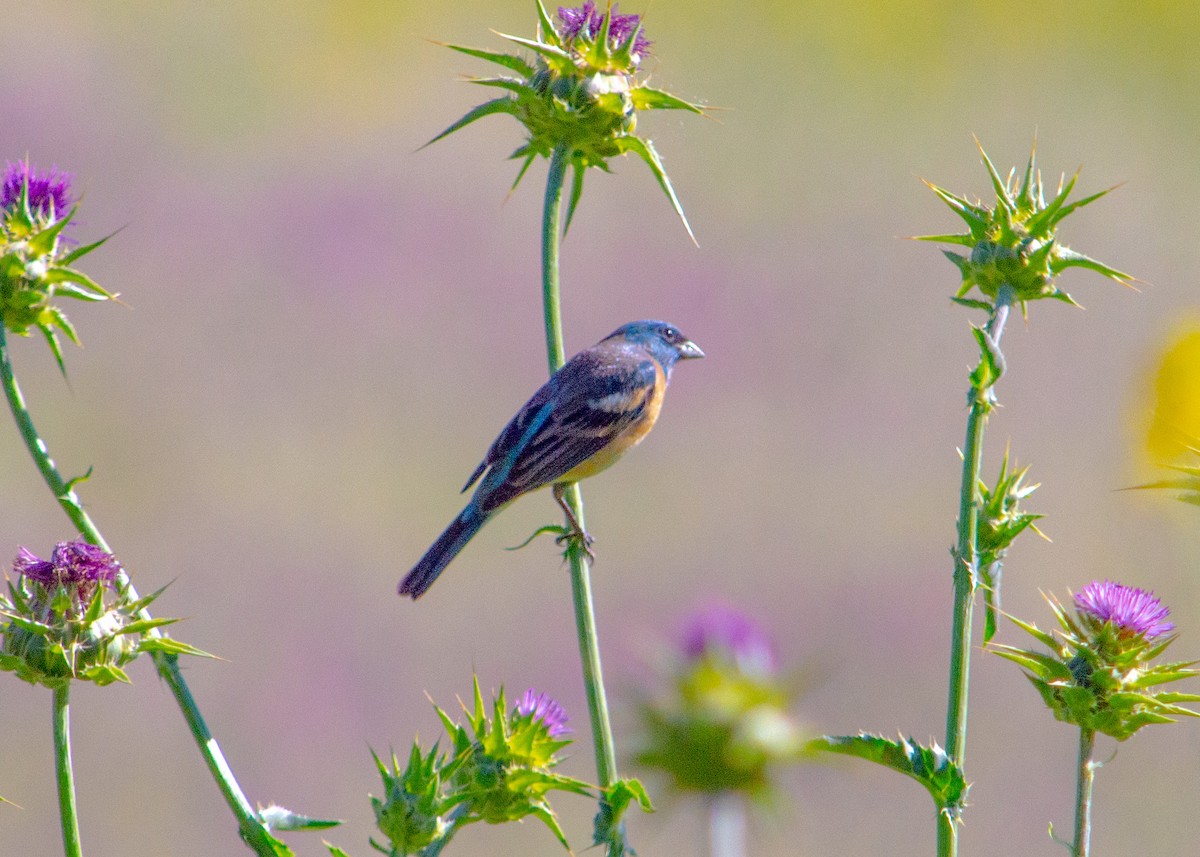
x,y
722,729
74,641
1099,674
66,619
497,769
1013,255
577,92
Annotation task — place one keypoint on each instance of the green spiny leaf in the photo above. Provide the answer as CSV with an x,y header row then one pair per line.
x,y
498,105
576,193
510,61
645,150
645,98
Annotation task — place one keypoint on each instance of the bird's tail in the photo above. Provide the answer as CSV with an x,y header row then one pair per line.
x,y
446,548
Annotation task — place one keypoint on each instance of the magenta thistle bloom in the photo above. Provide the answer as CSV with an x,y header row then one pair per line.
x,y
541,707
723,631
76,566
1130,610
49,191
588,21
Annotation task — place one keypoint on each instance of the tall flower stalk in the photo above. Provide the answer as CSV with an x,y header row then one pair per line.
x,y
1014,257
578,100
36,267
64,771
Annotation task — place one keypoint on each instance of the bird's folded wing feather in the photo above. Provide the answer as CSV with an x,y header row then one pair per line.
x,y
575,415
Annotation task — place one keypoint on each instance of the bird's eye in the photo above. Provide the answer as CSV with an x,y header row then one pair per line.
x,y
671,333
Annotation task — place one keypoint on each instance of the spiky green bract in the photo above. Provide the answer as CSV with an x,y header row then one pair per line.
x,y
37,266
279,818
720,729
1099,676
581,92
414,810
930,766
1015,242
1001,520
615,802
1189,483
51,637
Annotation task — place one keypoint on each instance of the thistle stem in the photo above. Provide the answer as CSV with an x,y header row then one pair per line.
x,y
581,586
253,831
1083,794
966,567
727,825
64,773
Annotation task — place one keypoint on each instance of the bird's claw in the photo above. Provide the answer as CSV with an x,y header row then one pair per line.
x,y
577,537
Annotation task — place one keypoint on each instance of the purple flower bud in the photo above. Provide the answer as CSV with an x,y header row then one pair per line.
x,y
1130,610
721,630
545,709
588,21
49,191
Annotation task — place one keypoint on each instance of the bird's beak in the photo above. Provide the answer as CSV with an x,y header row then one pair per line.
x,y
689,350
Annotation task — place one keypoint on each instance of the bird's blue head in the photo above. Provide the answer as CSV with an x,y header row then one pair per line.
x,y
664,341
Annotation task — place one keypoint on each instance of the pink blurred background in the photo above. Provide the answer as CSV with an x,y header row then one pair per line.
x,y
326,328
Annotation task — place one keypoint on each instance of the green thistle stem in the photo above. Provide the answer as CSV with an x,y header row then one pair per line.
x,y
966,570
581,585
64,772
727,825
1083,794
252,830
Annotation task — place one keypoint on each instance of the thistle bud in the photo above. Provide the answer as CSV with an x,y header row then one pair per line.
x,y
1014,244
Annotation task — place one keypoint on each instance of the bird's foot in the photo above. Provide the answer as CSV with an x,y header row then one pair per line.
x,y
579,537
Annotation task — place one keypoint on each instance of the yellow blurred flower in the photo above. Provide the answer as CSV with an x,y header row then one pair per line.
x,y
1175,418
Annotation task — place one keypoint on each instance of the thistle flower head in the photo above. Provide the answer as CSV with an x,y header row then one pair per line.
x,y
69,617
540,708
1129,610
582,26
76,568
47,194
1013,245
36,265
722,721
579,94
721,631
499,767
1101,671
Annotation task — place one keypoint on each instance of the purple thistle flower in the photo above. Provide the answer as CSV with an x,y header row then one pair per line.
x,y
720,629
545,709
588,21
49,191
1130,610
75,565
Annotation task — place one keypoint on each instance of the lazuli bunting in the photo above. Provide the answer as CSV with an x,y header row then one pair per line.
x,y
599,405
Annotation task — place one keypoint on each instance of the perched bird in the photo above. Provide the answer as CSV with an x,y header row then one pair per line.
x,y
600,404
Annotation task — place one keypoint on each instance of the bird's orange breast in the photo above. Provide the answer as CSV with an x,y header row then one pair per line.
x,y
629,437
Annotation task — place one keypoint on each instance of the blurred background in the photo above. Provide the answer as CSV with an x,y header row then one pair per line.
x,y
326,327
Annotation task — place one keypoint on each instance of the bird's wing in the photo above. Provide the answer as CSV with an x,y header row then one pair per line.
x,y
587,404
